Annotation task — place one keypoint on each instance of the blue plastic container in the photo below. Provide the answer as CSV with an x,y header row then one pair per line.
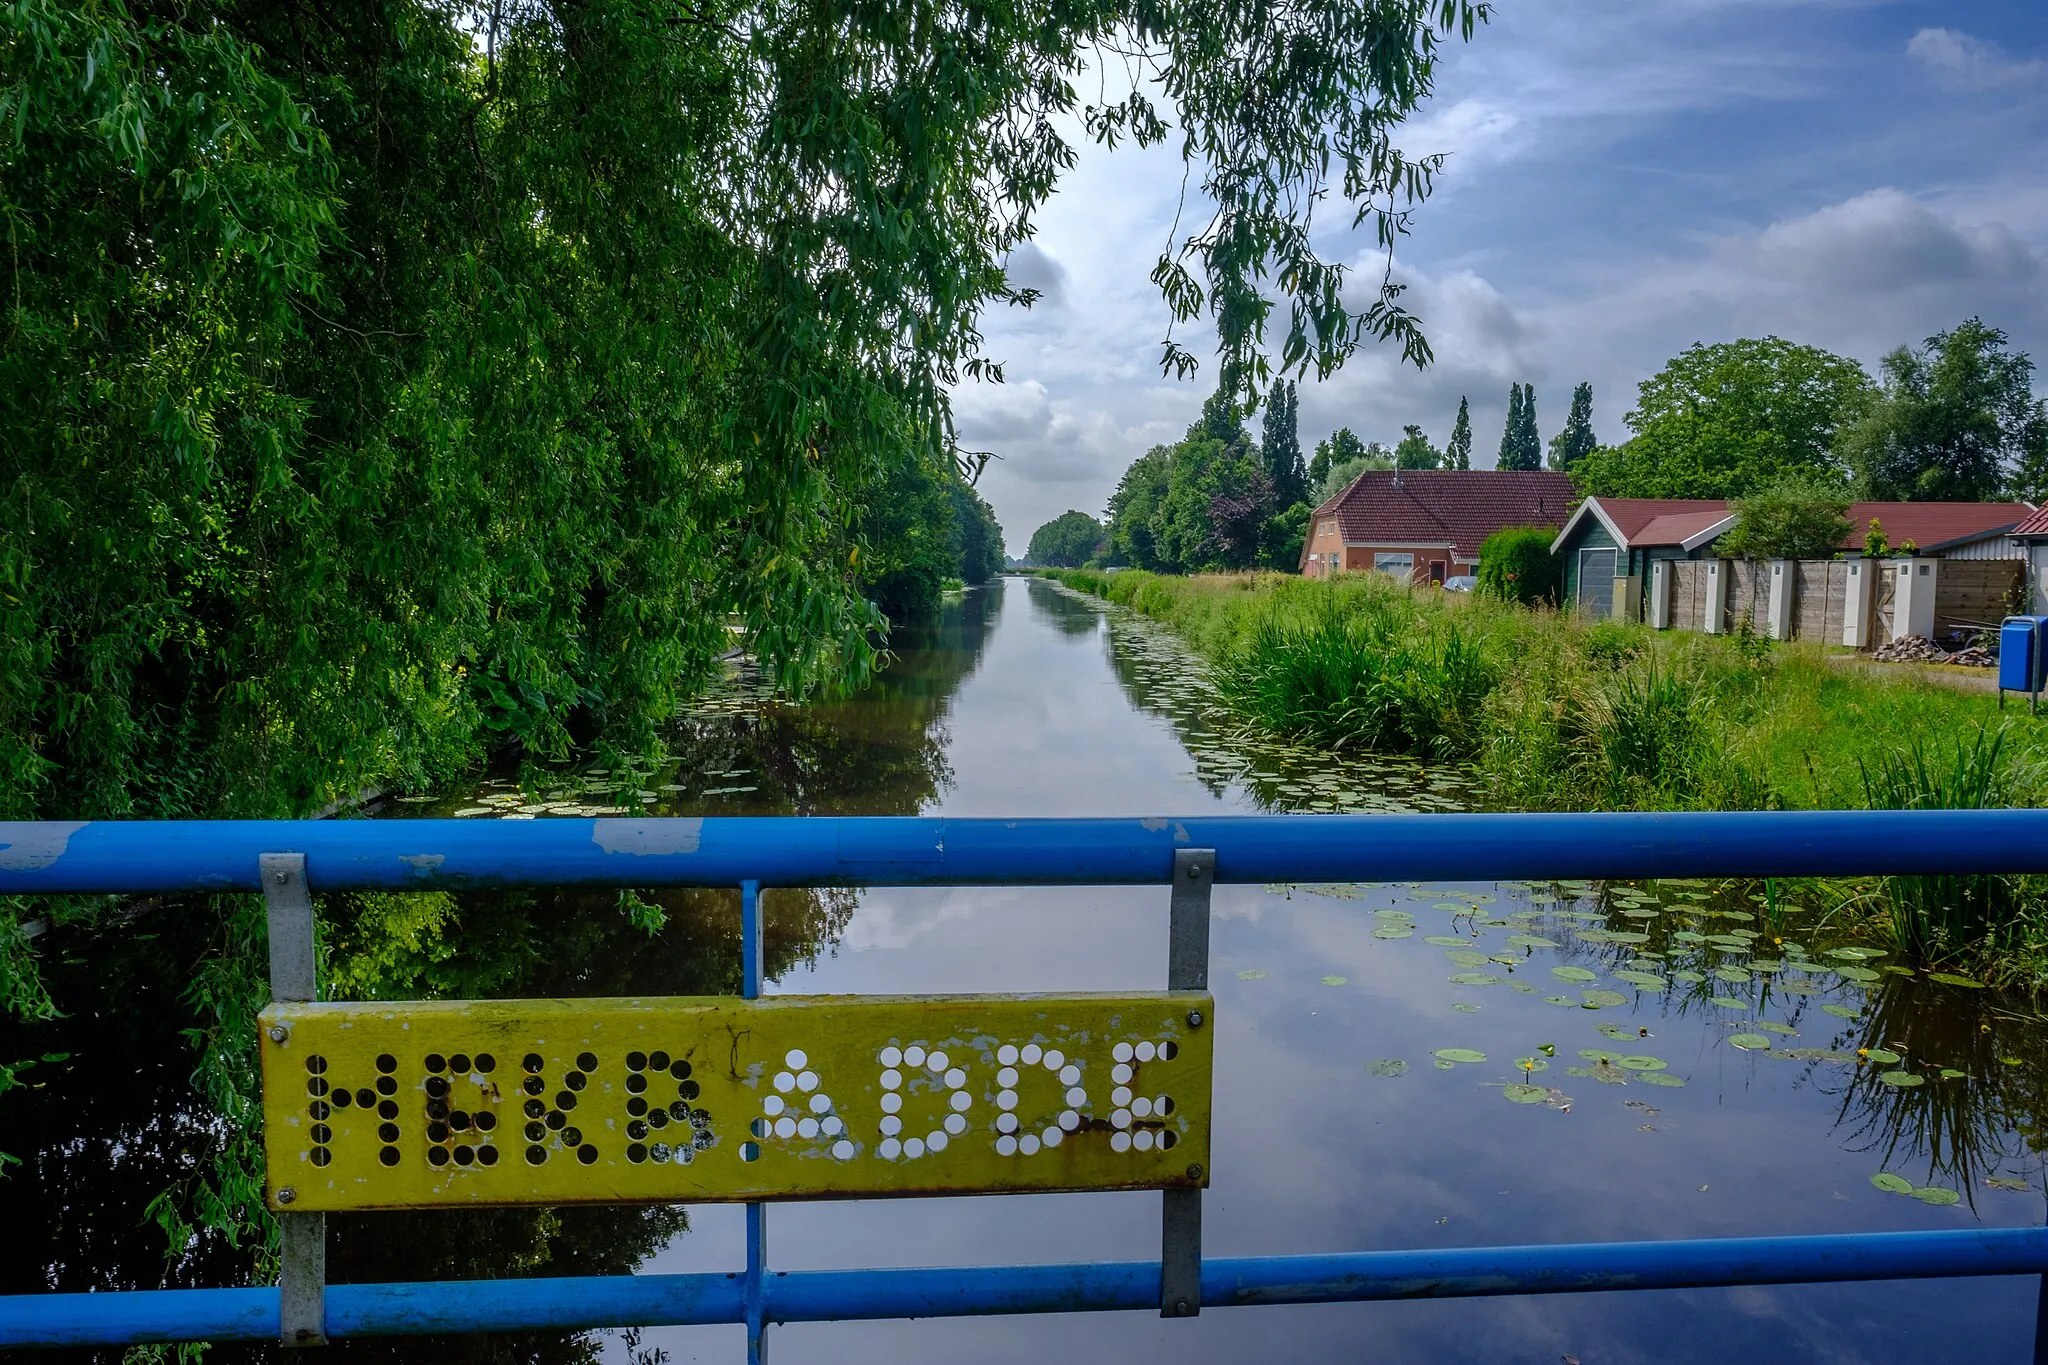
x,y
2022,659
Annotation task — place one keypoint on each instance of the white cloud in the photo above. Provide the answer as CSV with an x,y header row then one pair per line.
x,y
1961,62
1885,239
1466,133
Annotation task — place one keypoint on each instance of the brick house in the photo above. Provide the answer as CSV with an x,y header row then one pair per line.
x,y
1428,524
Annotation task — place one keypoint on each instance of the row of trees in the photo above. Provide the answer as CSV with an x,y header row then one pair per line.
x,y
1953,419
1215,499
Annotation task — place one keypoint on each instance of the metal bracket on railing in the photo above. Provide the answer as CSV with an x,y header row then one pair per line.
x,y
753,940
1187,969
294,976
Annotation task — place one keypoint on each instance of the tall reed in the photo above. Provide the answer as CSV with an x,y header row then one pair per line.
x,y
1935,919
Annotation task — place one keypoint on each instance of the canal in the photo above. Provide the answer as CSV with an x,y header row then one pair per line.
x,y
1397,1065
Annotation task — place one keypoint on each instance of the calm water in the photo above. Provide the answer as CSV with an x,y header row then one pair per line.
x,y
1338,1127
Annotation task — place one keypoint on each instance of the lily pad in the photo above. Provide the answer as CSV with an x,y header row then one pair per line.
x,y
1735,976
1387,1066
1450,905
1560,1000
1892,1184
1858,973
1854,954
1251,974
1728,1002
1392,932
1639,1063
1466,957
1660,1078
1902,1078
1533,1063
1599,1054
1951,979
1529,941
1574,974
1749,1042
1336,981
1442,1065
1842,1011
1949,1073
1464,1007
1774,1026
1475,979
1600,1000
1458,1054
1878,1054
1935,1194
1617,1032
1690,977
1447,941
1524,1094
1645,979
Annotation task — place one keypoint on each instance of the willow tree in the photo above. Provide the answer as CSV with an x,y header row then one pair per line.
x,y
387,382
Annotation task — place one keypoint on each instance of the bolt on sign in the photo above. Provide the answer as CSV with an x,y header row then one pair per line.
x,y
452,1103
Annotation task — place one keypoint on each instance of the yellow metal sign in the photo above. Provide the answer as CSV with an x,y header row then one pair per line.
x,y
380,1106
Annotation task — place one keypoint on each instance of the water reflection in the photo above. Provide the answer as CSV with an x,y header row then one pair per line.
x,y
116,1121
1064,611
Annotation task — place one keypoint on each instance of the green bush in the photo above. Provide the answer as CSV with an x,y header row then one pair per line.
x,y
1516,565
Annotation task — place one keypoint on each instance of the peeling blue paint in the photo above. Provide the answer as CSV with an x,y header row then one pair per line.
x,y
643,837
32,845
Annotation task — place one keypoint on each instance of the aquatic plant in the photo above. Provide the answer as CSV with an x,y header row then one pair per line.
x,y
1956,916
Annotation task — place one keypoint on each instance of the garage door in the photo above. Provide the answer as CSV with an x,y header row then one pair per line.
x,y
1596,583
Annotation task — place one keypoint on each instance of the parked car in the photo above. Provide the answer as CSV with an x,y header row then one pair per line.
x,y
1463,582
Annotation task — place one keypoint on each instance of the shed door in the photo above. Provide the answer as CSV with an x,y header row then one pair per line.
x,y
1596,582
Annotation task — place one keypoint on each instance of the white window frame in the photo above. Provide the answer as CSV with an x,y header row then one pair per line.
x,y
1399,562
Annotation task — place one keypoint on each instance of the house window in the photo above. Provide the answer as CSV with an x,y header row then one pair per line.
x,y
1400,563
1328,528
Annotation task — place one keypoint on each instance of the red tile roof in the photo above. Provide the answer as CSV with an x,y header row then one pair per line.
x,y
1933,525
1929,525
1671,520
2035,524
1459,508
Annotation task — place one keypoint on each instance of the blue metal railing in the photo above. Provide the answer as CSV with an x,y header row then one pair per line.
x,y
751,853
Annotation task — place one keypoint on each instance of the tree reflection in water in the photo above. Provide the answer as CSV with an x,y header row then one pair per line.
x,y
118,1121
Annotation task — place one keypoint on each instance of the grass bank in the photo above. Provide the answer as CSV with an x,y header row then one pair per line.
x,y
1552,712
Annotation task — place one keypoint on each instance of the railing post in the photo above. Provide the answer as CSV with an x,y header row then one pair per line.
x,y
757,1213
1187,969
294,976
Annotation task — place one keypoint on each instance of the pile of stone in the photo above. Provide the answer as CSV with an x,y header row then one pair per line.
x,y
1918,649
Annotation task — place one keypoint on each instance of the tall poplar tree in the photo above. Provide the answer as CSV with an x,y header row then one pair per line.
x,y
1528,444
1458,454
1510,429
1520,447
1576,441
1280,445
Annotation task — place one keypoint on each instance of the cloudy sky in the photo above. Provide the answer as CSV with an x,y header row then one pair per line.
x,y
1624,179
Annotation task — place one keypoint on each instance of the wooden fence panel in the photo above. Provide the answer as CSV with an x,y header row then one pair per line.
x,y
1974,594
1820,591
1689,595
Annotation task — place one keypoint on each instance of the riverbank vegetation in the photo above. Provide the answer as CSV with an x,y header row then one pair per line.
x,y
1551,712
